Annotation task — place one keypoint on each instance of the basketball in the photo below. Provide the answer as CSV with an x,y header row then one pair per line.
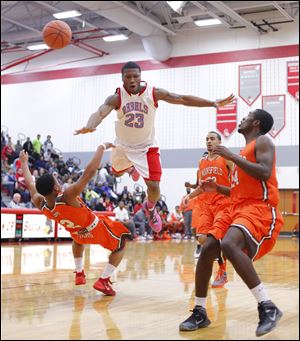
x,y
57,34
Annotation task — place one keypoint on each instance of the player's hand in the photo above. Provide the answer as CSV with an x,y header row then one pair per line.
x,y
82,231
209,185
224,152
23,156
84,130
187,185
108,145
222,102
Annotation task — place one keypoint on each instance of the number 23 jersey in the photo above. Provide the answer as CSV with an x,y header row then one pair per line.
x,y
135,117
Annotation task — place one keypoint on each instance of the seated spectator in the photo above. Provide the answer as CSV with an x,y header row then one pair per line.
x,y
109,206
16,201
41,163
122,215
138,205
100,205
9,181
18,148
91,196
141,222
176,225
8,154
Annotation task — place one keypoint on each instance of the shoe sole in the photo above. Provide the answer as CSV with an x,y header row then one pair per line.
x,y
279,316
206,324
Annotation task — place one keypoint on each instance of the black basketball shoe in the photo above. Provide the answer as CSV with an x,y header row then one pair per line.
x,y
198,319
269,315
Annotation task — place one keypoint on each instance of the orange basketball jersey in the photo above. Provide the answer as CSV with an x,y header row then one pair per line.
x,y
245,187
217,170
101,229
72,218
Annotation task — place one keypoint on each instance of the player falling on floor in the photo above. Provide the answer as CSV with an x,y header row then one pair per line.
x,y
207,207
136,149
249,227
84,226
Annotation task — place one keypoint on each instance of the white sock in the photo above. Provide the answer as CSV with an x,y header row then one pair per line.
x,y
260,293
200,301
78,264
108,270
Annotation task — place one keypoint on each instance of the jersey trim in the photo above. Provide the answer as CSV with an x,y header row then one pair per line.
x,y
154,98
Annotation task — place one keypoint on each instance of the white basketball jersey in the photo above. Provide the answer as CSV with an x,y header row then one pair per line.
x,y
135,118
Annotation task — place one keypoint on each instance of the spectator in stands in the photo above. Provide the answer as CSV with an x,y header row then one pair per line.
x,y
9,181
100,205
16,201
142,224
162,205
108,205
91,196
48,145
41,163
122,215
187,216
138,205
175,221
7,154
28,147
18,148
37,146
68,183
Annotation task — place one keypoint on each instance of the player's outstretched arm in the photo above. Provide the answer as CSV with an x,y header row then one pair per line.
x,y
96,118
191,101
36,198
74,190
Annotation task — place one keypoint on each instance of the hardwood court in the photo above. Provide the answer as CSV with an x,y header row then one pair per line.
x,y
155,289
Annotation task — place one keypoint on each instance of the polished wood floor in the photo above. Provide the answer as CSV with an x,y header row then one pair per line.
x,y
155,290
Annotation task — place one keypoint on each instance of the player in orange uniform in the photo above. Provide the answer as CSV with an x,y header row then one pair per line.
x,y
207,207
85,226
249,227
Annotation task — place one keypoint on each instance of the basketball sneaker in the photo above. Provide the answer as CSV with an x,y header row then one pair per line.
x,y
220,280
197,320
135,175
154,218
269,315
80,278
104,285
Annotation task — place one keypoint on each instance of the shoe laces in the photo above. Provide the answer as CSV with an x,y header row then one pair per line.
x,y
262,312
153,216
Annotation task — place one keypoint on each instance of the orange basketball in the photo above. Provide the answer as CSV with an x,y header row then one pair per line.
x,y
57,34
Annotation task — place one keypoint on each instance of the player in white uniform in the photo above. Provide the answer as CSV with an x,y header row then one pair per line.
x,y
136,148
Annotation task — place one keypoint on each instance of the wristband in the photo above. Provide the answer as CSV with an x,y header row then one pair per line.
x,y
104,146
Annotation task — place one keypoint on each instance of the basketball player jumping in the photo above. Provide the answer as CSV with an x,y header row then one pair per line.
x,y
85,226
136,149
248,229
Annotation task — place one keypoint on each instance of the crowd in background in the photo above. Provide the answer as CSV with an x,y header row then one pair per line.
x,y
101,194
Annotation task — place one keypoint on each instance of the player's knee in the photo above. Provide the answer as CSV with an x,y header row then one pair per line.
x,y
227,248
210,249
153,186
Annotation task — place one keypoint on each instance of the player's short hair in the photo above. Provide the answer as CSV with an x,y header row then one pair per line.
x,y
218,135
45,184
130,65
266,120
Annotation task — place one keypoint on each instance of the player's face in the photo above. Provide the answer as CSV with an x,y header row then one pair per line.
x,y
212,141
246,123
131,80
